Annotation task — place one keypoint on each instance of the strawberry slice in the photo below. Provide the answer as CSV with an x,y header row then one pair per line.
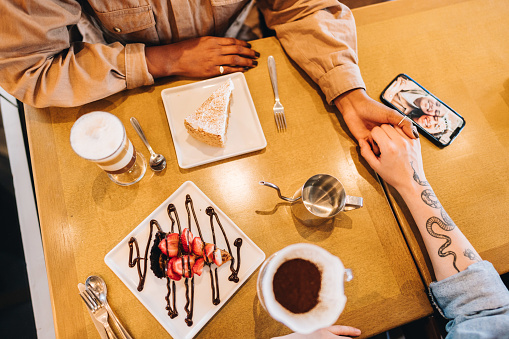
x,y
198,266
197,246
185,239
209,252
169,245
183,266
170,273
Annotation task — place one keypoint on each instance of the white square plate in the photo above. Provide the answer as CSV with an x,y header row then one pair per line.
x,y
244,132
154,292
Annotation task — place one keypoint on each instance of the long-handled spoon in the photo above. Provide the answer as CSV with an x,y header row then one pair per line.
x,y
157,162
98,286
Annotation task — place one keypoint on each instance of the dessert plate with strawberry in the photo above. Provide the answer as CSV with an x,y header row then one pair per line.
x,y
181,255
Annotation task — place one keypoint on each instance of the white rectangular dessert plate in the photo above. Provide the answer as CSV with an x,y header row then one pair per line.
x,y
244,133
154,292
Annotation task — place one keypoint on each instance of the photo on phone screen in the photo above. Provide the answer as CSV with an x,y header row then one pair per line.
x,y
435,119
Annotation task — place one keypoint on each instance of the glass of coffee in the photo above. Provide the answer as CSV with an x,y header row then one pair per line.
x,y
100,137
301,286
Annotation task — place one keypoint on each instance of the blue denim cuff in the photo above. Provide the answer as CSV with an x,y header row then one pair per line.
x,y
469,292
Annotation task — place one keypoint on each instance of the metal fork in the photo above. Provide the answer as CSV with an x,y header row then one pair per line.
x,y
279,111
99,311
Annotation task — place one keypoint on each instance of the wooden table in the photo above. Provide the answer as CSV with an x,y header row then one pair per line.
x,y
84,215
459,51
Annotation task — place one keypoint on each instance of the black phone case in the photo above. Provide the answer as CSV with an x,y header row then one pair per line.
x,y
422,130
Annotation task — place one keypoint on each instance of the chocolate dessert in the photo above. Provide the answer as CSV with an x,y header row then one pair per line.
x,y
297,284
182,255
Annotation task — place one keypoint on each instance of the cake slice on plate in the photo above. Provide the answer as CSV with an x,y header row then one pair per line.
x,y
210,121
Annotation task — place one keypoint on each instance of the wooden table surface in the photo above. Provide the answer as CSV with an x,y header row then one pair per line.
x,y
458,50
83,215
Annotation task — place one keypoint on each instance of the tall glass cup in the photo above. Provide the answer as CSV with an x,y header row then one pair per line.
x,y
330,299
100,137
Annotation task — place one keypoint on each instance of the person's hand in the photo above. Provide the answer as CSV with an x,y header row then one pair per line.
x,y
331,332
362,114
201,57
400,160
395,87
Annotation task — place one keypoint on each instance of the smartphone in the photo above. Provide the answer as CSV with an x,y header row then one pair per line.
x,y
434,119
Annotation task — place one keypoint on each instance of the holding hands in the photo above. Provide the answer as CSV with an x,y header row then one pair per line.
x,y
400,160
362,114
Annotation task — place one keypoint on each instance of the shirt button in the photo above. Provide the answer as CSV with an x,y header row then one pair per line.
x,y
116,29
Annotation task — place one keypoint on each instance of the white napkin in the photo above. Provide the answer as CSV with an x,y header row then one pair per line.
x,y
98,325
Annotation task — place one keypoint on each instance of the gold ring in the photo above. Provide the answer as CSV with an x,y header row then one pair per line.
x,y
221,69
399,123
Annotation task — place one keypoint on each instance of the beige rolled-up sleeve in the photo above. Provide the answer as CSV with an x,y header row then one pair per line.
x,y
41,67
320,36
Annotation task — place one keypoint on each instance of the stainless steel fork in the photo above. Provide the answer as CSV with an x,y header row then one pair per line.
x,y
99,311
279,111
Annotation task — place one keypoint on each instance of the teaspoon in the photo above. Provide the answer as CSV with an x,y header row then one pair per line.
x,y
98,286
157,162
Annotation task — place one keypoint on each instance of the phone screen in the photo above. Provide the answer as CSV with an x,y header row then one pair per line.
x,y
434,118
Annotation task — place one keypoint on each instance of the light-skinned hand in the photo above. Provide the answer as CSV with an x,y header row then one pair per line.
x,y
362,114
400,157
331,332
200,57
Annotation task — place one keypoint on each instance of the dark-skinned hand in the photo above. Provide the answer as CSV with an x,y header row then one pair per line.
x,y
201,57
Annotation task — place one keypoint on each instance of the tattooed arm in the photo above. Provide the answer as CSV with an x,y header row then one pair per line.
x,y
400,165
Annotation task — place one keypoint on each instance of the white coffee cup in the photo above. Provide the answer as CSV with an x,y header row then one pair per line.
x,y
331,298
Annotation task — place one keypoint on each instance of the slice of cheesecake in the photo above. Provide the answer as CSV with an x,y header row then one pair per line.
x,y
210,121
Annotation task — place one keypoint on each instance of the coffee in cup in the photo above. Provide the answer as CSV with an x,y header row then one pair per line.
x,y
301,286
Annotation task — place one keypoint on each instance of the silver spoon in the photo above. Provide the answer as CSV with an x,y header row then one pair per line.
x,y
98,286
157,162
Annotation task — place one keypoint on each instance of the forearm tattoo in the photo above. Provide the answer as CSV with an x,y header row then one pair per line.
x,y
446,223
446,227
430,199
471,255
446,218
416,176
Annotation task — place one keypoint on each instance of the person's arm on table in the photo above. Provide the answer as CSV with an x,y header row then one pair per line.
x,y
208,52
320,36
41,65
468,290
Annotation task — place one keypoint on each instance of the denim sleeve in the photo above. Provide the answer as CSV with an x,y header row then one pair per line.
x,y
476,300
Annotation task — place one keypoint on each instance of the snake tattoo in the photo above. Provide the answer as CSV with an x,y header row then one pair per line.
x,y
430,199
416,176
446,223
446,227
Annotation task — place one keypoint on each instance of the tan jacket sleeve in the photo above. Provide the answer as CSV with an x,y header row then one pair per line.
x,y
41,67
320,36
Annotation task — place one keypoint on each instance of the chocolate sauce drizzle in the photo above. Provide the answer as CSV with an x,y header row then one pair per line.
x,y
170,284
172,309
235,271
238,243
137,261
190,302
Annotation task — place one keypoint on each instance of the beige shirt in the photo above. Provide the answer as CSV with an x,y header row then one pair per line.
x,y
41,65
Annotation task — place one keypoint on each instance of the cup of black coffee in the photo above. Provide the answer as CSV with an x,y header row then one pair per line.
x,y
301,286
